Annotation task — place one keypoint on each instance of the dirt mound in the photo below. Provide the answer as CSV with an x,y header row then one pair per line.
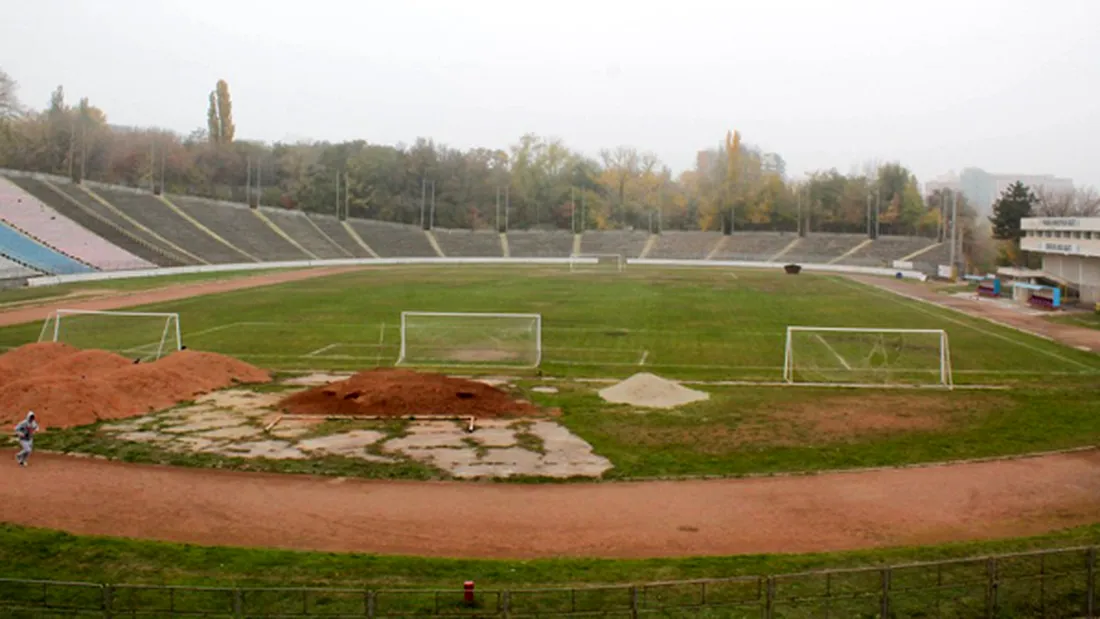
x,y
651,391
399,393
17,362
70,387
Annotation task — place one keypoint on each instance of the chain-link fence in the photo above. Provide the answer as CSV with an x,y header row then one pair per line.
x,y
1044,584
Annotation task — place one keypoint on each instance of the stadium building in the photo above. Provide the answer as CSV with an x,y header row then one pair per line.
x,y
1070,247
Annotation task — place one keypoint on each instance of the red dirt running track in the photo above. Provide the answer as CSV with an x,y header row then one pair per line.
x,y
640,519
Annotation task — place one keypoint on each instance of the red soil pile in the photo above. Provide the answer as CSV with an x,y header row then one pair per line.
x,y
70,387
402,393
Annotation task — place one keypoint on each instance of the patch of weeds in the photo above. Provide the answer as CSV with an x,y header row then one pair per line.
x,y
525,439
479,449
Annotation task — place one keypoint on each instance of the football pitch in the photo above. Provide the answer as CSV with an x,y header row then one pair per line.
x,y
701,324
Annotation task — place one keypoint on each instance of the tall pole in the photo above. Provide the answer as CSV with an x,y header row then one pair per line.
x,y
423,198
498,209
584,210
798,224
162,164
153,164
347,199
869,215
507,207
572,210
72,142
954,228
878,212
431,217
248,182
338,194
83,146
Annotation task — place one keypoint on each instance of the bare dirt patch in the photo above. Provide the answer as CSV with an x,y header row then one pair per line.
x,y
401,393
853,416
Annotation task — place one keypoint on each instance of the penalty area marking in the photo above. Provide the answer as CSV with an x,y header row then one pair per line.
x,y
838,356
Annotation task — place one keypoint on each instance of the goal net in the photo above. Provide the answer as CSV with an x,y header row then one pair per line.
x,y
824,355
468,339
141,335
605,263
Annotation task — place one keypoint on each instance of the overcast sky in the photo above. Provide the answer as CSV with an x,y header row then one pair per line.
x,y
1005,85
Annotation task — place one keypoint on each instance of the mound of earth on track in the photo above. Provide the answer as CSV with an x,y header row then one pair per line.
x,y
405,393
69,387
651,391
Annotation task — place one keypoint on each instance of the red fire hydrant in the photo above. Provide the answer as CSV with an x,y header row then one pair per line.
x,y
468,592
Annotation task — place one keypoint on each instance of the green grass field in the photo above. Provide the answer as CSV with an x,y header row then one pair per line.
x,y
687,323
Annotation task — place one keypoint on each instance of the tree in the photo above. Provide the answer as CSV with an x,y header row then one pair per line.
x,y
1081,202
9,99
219,115
1015,203
225,113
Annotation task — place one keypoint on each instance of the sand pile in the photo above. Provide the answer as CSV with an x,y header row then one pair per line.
x,y
70,387
651,391
399,393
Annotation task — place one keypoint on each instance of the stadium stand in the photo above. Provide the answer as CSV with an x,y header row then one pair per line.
x,y
336,231
684,245
394,240
753,246
822,248
18,248
469,243
305,233
158,217
76,209
627,243
240,228
35,219
884,250
13,270
176,255
540,244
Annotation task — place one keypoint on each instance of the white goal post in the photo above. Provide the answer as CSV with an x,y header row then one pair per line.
x,y
846,356
577,262
143,335
448,339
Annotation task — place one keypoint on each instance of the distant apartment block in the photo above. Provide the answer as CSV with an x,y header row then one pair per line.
x,y
982,188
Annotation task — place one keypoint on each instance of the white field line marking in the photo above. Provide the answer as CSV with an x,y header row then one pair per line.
x,y
899,297
215,329
645,355
323,349
381,340
839,358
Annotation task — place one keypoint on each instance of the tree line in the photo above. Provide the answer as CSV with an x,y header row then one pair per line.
x,y
543,182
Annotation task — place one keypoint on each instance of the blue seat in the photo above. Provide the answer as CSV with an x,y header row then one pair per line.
x,y
22,249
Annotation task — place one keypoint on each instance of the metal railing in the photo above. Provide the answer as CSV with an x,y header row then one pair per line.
x,y
1042,584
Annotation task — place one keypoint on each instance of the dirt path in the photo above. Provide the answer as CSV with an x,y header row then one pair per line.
x,y
1077,337
643,519
168,293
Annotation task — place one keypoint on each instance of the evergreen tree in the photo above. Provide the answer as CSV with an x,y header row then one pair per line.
x,y
1014,204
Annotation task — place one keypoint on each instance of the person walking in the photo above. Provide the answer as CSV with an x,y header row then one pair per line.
x,y
24,432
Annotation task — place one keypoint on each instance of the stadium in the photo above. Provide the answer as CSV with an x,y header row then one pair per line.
x,y
296,415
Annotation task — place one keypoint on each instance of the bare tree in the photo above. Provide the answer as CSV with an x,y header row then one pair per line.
x,y
1080,202
9,100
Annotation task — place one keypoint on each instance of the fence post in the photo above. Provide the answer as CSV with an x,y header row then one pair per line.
x,y
885,606
506,603
769,598
108,601
634,603
370,603
1090,588
238,604
991,588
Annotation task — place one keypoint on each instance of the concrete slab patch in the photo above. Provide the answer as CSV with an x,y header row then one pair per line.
x,y
353,443
429,435
242,400
231,434
317,378
139,436
275,450
544,389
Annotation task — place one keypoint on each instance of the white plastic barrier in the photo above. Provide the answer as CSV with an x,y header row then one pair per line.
x,y
53,280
